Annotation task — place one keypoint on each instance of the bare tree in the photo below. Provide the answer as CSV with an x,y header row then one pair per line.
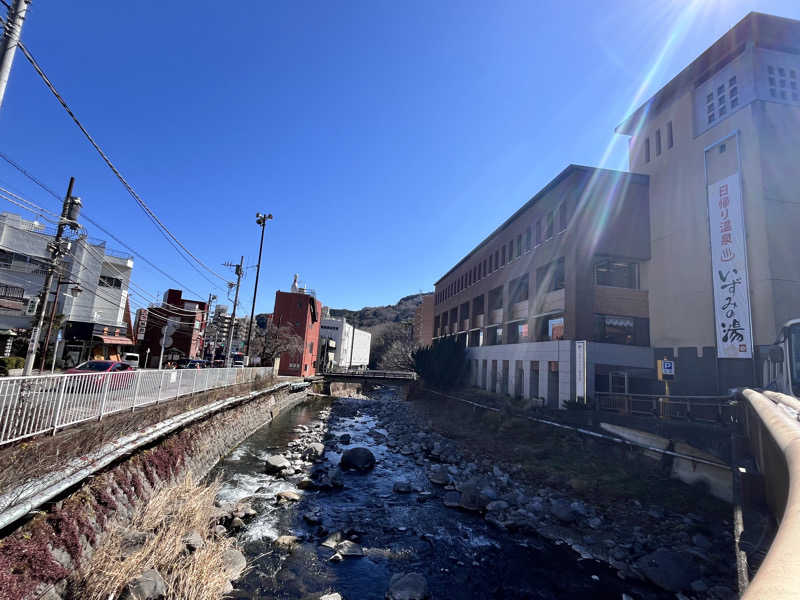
x,y
397,344
270,341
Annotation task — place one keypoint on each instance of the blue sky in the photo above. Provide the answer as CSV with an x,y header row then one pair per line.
x,y
387,138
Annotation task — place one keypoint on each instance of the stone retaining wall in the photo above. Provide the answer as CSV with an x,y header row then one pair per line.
x,y
37,558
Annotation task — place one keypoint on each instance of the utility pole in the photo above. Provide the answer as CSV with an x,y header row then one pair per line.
x,y
69,216
10,41
239,270
211,298
261,219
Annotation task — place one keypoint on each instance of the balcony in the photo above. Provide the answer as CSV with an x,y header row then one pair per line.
x,y
550,302
463,325
519,310
478,321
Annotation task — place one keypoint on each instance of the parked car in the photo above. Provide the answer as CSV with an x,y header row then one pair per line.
x,y
131,358
120,374
190,363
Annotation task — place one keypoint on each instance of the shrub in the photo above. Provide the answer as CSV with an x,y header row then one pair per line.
x,y
443,364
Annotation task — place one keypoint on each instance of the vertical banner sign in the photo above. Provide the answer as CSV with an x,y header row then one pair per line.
x,y
729,264
580,370
142,325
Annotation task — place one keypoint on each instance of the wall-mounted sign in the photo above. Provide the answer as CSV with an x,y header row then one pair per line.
x,y
580,370
729,269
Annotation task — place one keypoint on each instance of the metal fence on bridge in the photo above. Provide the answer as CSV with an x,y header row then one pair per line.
x,y
35,405
714,409
370,374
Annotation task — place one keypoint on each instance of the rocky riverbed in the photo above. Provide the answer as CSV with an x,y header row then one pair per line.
x,y
415,515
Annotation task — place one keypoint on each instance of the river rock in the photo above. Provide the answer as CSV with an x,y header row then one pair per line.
x,y
402,487
358,459
314,451
344,439
668,569
276,463
332,540
452,499
438,475
562,511
497,505
701,541
470,498
133,541
234,563
193,541
288,496
348,548
147,585
287,542
407,586
333,596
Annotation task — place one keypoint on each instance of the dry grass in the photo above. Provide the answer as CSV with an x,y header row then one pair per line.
x,y
170,514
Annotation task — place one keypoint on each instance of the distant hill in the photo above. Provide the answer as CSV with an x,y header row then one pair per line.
x,y
371,317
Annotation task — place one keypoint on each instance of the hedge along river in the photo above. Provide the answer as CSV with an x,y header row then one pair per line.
x,y
319,530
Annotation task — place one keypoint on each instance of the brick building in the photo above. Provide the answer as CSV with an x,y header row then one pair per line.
x,y
302,312
189,316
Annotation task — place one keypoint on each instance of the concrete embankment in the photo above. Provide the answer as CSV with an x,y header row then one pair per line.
x,y
38,556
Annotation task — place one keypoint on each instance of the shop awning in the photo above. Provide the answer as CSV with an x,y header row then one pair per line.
x,y
115,339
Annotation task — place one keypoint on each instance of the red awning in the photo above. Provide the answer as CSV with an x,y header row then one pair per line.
x,y
115,339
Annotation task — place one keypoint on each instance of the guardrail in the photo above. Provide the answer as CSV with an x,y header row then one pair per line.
x,y
771,422
34,405
710,409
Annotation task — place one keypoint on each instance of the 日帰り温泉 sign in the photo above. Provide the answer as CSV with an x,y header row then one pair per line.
x,y
729,269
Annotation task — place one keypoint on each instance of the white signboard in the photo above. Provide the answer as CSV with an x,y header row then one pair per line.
x,y
729,264
580,370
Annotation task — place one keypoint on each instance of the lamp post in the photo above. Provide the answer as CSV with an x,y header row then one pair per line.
x,y
261,219
74,292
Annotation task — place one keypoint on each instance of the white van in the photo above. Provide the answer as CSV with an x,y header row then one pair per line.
x,y
131,358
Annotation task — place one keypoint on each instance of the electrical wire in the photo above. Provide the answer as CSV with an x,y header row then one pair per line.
x,y
153,217
86,217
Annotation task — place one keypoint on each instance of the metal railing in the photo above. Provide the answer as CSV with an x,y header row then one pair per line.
x,y
711,409
34,405
370,374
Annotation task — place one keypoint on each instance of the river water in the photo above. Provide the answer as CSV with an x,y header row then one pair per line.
x,y
459,553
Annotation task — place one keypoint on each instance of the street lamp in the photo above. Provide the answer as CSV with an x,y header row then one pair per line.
x,y
261,219
74,292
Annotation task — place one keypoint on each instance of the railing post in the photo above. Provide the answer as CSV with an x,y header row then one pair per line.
x,y
138,376
180,380
61,393
106,381
160,385
194,380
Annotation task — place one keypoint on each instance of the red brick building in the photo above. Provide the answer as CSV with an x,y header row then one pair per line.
x,y
189,318
302,311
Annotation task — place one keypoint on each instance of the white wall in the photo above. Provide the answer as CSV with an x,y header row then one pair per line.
x,y
361,348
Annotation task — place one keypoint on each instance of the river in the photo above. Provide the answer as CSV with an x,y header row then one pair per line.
x,y
459,553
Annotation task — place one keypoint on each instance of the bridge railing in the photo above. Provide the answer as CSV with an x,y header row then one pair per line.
x,y
711,409
773,430
410,375
34,405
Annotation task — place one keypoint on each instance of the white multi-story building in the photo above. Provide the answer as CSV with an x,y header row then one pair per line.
x,y
95,321
345,337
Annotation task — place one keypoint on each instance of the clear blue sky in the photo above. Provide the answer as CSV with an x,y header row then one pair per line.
x,y
387,138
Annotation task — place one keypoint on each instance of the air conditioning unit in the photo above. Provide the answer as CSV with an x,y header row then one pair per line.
x,y
33,304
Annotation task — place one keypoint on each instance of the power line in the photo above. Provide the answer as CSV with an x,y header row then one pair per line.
x,y
162,228
85,216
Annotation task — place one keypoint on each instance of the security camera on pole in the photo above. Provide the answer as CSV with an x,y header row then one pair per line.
x,y
166,338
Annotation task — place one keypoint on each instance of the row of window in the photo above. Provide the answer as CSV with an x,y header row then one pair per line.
x,y
779,82
507,252
725,98
609,329
670,142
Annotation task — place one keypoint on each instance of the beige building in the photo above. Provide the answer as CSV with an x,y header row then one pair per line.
x,y
721,145
423,321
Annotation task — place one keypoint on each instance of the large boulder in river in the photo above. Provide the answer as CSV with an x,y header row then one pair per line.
x,y
358,459
276,463
314,451
407,586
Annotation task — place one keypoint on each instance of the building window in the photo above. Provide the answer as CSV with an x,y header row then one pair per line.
x,y
496,298
491,260
658,142
518,289
670,139
484,268
111,282
612,329
548,232
518,332
527,239
464,309
503,256
538,232
511,250
519,245
562,217
647,150
477,305
6,258
617,273
497,259
550,277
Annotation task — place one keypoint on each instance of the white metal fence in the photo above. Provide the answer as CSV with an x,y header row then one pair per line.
x,y
34,405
